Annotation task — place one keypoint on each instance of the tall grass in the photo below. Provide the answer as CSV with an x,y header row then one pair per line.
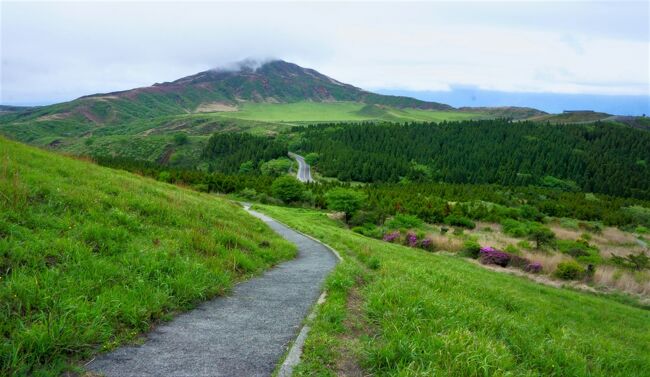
x,y
439,315
90,257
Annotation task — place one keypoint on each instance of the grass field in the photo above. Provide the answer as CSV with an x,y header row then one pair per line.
x,y
90,257
396,311
338,111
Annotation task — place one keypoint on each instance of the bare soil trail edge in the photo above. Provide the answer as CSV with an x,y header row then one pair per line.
x,y
244,334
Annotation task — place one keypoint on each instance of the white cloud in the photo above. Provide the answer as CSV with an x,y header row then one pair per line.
x,y
58,51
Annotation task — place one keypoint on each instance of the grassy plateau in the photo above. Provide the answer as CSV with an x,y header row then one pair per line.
x,y
90,257
396,311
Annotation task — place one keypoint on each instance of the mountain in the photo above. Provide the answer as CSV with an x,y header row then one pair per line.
x,y
272,82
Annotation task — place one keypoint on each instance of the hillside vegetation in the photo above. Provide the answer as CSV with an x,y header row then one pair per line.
x,y
396,311
602,157
90,257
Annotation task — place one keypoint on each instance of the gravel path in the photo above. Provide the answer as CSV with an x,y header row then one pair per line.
x,y
244,334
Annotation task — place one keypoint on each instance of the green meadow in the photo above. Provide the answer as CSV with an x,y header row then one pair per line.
x,y
91,257
397,311
338,111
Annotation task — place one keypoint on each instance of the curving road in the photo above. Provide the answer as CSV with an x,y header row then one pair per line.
x,y
304,170
244,334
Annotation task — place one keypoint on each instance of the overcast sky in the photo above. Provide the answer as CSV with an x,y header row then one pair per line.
x,y
55,51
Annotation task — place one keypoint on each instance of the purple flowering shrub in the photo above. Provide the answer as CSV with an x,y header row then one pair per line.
x,y
427,244
490,255
392,236
411,239
534,268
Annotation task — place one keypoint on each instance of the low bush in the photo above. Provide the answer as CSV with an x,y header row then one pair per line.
x,y
405,221
471,249
489,255
533,268
636,262
427,244
462,221
519,262
569,270
580,250
392,236
411,239
368,230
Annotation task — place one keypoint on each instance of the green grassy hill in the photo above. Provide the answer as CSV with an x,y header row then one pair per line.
x,y
90,257
396,311
153,138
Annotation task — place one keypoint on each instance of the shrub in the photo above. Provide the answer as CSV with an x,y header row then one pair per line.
x,y
180,138
541,235
489,255
287,188
636,262
202,187
392,236
519,262
534,267
455,220
581,250
569,223
471,249
248,193
512,249
411,239
591,226
524,245
569,270
405,221
514,228
368,230
427,244
276,167
365,217
345,200
165,176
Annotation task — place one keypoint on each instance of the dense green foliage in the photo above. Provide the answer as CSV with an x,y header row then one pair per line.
x,y
396,311
288,189
600,157
228,151
90,257
344,200
429,201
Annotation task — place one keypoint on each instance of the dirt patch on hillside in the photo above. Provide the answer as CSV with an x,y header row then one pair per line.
x,y
212,107
58,116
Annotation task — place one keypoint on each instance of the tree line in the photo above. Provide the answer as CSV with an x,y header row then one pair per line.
x,y
600,157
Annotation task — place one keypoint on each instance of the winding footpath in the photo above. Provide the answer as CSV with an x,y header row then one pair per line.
x,y
244,334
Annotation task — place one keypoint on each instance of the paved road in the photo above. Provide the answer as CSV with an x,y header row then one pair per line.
x,y
304,170
244,334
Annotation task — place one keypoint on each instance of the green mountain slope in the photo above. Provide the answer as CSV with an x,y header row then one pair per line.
x,y
90,257
273,82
